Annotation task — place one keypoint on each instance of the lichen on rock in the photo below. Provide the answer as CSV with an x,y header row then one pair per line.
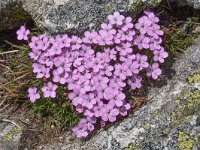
x,y
9,136
185,142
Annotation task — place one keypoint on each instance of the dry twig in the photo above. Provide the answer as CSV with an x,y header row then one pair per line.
x,y
10,121
9,52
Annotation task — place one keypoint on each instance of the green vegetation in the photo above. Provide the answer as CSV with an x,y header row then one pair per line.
x,y
17,71
179,41
58,112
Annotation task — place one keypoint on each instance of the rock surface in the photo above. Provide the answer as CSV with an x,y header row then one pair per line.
x,y
9,136
169,121
192,3
75,16
11,128
4,3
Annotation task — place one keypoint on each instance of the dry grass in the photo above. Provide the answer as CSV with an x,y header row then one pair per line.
x,y
15,71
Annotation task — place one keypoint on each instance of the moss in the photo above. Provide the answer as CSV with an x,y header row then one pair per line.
x,y
11,134
194,98
14,17
135,7
133,146
185,142
146,126
155,3
194,78
139,5
173,117
185,112
178,101
198,135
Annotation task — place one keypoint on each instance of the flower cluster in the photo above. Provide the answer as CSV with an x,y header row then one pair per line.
x,y
97,67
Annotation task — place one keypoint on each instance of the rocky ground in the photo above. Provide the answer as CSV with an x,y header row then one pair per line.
x,y
169,121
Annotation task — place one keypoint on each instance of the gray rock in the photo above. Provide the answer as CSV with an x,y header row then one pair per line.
x,y
11,127
169,121
9,136
192,3
4,3
74,16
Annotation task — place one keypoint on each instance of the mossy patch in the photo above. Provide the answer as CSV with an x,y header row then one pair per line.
x,y
133,146
185,141
11,134
146,127
184,113
140,5
194,98
194,78
178,101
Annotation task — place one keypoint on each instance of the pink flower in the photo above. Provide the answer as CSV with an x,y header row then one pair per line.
x,y
90,37
125,49
142,61
22,33
49,90
160,55
109,113
108,29
108,94
116,18
89,100
143,24
96,68
120,72
34,54
135,82
76,42
33,94
97,64
80,130
105,38
154,71
33,44
124,109
55,49
152,16
127,35
98,109
65,40
155,31
127,24
119,99
143,42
